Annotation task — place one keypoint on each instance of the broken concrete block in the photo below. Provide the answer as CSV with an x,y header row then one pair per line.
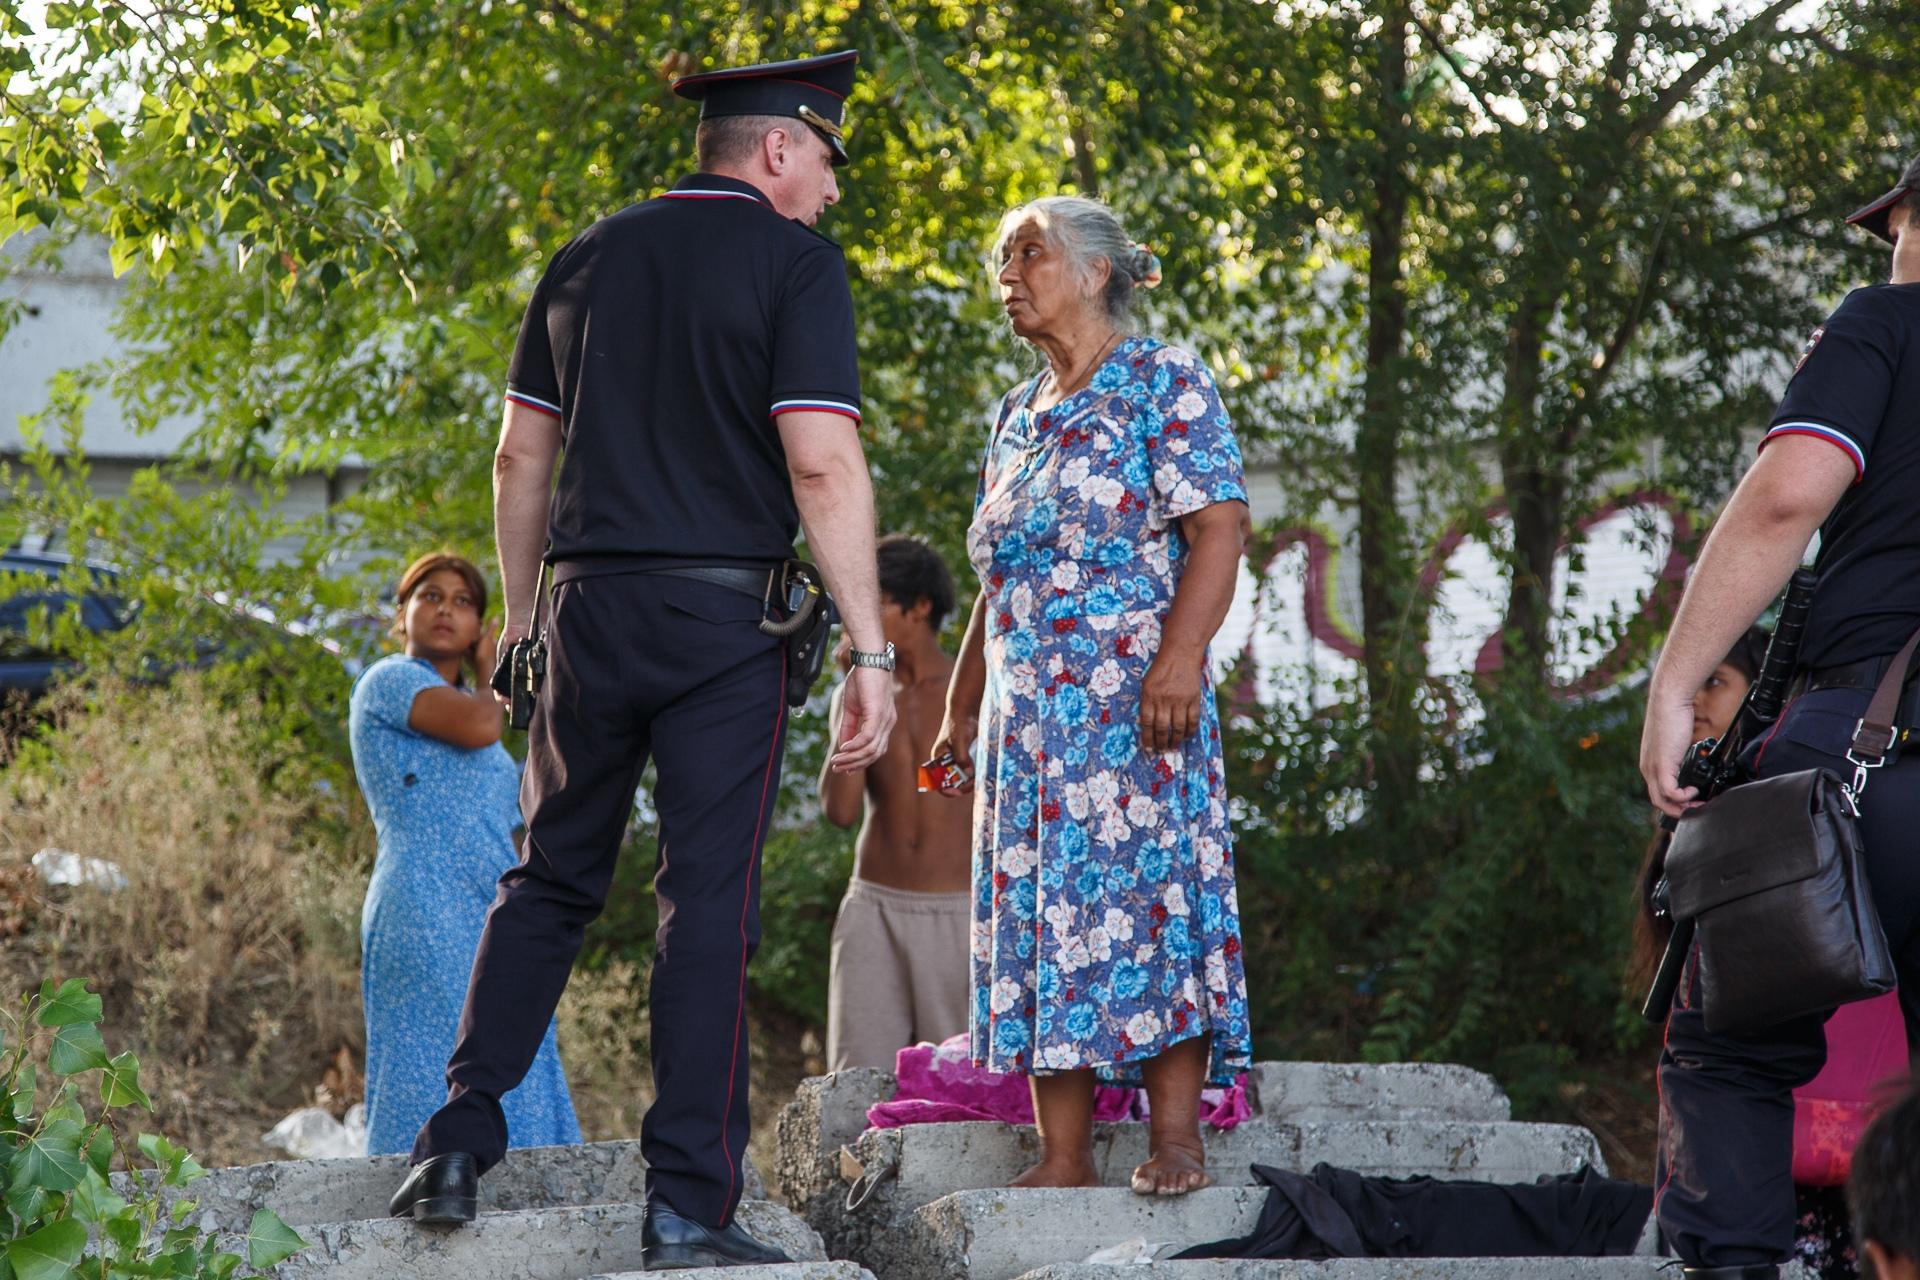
x,y
1299,1092
787,1271
905,1168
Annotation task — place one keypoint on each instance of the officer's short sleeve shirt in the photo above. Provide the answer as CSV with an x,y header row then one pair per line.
x,y
1857,387
667,340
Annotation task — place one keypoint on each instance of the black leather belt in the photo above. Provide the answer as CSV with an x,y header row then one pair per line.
x,y
735,577
752,582
1864,674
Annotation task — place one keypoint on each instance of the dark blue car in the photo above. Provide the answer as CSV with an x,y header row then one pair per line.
x,y
234,627
25,667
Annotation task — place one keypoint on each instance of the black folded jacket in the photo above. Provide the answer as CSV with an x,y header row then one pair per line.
x,y
1337,1213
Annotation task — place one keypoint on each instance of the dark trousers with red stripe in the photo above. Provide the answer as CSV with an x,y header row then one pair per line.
x,y
639,665
1724,1183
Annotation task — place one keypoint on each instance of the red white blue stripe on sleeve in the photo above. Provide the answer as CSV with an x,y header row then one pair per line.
x,y
1821,431
534,402
815,405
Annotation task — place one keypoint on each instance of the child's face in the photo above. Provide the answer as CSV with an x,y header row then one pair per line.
x,y
903,625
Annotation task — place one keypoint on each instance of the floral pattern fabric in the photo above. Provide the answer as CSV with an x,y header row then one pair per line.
x,y
1823,1233
1106,926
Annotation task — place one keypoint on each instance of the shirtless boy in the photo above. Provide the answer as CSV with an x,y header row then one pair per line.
x,y
900,970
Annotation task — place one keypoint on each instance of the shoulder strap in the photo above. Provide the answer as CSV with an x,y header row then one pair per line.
x,y
541,606
1873,736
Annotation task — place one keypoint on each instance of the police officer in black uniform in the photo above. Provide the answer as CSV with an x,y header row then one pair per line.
x,y
690,363
1842,456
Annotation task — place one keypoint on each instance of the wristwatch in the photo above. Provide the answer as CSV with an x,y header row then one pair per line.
x,y
882,659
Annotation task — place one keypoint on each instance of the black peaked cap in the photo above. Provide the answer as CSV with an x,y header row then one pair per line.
x,y
1878,216
811,90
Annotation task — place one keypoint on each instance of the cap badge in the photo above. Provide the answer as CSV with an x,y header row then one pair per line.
x,y
817,120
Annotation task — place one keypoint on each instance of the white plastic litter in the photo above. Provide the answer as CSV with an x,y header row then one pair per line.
x,y
1138,1249
62,868
313,1134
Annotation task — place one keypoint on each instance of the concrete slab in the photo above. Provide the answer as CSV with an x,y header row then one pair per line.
x,y
931,1160
999,1235
1299,1092
793,1271
537,1244
1483,1152
1637,1268
313,1191
1366,1269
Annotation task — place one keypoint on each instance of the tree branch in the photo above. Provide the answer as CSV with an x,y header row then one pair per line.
x,y
1460,72
1713,58
1853,57
1786,221
913,57
1595,381
561,9
1626,27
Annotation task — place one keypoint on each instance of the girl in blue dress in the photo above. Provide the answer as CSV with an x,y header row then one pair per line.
x,y
1107,534
445,800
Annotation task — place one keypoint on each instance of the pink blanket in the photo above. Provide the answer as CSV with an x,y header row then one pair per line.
x,y
1866,1047
938,1084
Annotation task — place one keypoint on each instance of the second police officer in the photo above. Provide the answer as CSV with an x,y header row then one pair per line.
x,y
1842,456
689,362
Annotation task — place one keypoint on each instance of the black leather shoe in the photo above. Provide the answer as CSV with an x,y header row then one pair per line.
x,y
441,1189
1752,1271
669,1241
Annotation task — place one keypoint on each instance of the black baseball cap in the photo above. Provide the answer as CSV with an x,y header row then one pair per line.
x,y
811,90
1877,216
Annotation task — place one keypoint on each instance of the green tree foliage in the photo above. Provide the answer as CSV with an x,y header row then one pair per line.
x,y
1439,253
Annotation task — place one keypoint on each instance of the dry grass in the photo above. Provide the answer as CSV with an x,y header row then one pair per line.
x,y
603,1047
230,961
603,1043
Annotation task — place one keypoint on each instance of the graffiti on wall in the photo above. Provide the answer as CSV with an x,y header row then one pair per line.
x,y
1288,627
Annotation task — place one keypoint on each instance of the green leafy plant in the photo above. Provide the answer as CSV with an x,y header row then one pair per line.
x,y
64,1214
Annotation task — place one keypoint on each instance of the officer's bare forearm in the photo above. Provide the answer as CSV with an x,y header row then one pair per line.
x,y
522,486
834,493
1752,551
1215,538
837,514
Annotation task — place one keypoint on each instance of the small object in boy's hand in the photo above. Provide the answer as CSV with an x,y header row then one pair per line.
x,y
943,775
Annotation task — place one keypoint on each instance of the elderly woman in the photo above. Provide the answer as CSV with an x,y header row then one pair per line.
x,y
1107,532
445,799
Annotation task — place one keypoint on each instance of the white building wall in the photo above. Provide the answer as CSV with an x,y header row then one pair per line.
x,y
66,322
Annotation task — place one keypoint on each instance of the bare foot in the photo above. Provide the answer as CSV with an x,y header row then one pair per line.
x,y
1174,1167
1050,1172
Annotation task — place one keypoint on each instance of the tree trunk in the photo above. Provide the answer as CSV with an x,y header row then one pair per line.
x,y
1535,493
1392,654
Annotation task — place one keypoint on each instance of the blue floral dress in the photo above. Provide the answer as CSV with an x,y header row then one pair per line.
x,y
445,817
1106,926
